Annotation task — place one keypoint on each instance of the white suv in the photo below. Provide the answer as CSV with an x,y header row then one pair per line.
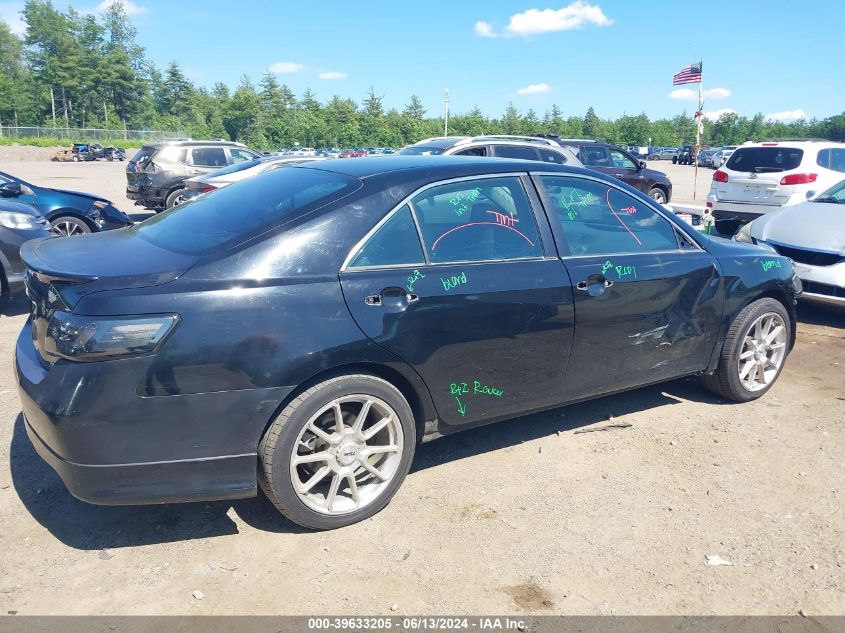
x,y
760,178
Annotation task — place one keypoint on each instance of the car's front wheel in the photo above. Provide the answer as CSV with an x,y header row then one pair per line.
x,y
754,352
67,225
338,452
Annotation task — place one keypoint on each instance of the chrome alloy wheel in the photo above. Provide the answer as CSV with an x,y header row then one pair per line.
x,y
347,454
763,351
66,228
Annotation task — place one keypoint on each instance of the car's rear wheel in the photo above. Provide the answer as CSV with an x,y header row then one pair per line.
x,y
175,197
658,195
338,452
67,225
754,352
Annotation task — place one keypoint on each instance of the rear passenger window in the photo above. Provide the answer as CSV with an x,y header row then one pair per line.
x,y
209,157
477,220
594,156
395,243
515,151
833,158
598,220
473,151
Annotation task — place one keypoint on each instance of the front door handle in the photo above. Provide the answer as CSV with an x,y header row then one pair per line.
x,y
373,300
393,296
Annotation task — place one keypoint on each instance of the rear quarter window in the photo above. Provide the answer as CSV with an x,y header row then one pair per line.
x,y
232,215
765,159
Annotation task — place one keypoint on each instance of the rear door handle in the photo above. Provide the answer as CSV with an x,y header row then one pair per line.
x,y
373,300
582,285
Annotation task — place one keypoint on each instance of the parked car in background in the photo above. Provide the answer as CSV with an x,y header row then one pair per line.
x,y
812,235
62,156
109,152
763,177
615,161
665,153
19,223
207,183
81,152
155,177
498,146
705,157
350,309
686,155
352,153
69,212
723,154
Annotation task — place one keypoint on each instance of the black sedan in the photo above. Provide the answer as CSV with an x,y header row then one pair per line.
x,y
69,212
313,324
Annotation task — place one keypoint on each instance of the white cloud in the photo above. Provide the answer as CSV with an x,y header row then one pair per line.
x,y
534,89
573,16
332,75
10,14
788,115
713,115
484,29
688,94
130,7
286,67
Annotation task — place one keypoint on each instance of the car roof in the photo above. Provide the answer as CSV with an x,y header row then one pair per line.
x,y
195,144
434,166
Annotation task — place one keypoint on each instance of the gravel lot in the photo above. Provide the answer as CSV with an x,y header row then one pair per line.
x,y
522,517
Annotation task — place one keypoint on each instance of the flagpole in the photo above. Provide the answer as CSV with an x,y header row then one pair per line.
x,y
698,117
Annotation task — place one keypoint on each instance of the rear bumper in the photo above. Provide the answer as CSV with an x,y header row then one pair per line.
x,y
156,482
111,446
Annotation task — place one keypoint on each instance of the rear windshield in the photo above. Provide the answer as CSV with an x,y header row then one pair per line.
x,y
231,215
143,155
765,159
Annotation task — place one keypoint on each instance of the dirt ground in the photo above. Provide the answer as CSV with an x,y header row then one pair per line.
x,y
526,516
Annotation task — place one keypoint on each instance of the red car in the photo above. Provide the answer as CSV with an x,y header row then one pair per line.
x,y
352,153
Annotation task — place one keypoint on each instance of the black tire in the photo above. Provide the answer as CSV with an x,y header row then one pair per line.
x,y
727,227
75,158
725,380
173,197
674,160
658,195
281,438
69,225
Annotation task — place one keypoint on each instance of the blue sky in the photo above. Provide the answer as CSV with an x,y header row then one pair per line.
x,y
775,57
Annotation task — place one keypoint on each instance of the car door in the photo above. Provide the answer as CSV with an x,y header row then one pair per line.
x,y
456,282
626,169
647,300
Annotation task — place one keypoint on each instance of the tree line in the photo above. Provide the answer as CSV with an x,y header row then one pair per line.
x,y
82,70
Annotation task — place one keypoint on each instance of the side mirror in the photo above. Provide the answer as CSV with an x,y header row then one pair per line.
x,y
10,190
642,164
810,194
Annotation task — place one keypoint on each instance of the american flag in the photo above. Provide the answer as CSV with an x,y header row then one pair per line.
x,y
689,75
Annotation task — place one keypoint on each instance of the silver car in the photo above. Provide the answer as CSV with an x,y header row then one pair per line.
x,y
812,235
239,171
667,153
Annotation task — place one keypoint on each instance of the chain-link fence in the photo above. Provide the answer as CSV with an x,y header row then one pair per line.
x,y
86,134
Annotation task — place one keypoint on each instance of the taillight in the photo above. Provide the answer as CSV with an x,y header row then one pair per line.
x,y
798,179
207,188
720,176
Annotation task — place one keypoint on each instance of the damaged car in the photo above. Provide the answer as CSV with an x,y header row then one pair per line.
x,y
302,331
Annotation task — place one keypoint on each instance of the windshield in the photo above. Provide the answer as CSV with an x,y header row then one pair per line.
x,y
422,150
233,214
836,194
765,159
